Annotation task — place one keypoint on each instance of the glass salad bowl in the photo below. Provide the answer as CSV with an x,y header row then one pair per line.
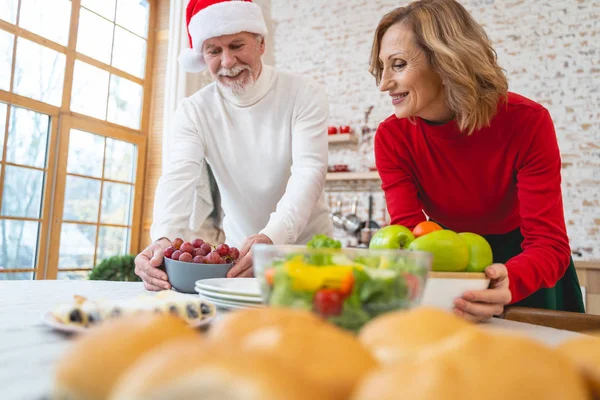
x,y
346,286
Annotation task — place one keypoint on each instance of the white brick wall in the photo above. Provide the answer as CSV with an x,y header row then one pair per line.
x,y
549,48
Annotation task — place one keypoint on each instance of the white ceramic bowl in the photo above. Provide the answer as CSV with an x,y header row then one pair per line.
x,y
441,288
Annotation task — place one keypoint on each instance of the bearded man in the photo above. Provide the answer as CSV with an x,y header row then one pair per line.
x,y
261,130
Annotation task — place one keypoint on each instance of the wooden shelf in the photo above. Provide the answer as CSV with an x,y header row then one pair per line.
x,y
353,176
342,138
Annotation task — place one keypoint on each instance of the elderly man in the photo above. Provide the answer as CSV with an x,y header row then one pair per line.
x,y
262,131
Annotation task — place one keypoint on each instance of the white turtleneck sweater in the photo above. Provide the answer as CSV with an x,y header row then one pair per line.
x,y
268,153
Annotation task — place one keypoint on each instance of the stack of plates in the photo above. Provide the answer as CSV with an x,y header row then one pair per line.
x,y
231,293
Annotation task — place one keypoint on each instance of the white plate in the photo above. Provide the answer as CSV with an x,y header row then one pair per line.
x,y
49,320
235,286
231,297
232,305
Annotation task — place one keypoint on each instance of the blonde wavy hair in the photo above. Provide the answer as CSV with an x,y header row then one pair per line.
x,y
459,50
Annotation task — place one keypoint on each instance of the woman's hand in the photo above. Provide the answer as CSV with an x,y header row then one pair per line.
x,y
481,305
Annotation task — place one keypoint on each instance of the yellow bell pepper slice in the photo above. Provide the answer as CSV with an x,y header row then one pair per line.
x,y
311,278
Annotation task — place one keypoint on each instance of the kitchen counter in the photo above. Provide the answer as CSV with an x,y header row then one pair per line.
x,y
29,349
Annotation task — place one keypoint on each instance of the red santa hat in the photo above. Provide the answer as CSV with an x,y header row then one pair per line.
x,y
211,18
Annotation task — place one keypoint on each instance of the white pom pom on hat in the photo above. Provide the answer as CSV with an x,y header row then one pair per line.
x,y
211,18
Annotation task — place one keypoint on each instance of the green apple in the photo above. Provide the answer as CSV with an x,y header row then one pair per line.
x,y
450,251
480,252
392,237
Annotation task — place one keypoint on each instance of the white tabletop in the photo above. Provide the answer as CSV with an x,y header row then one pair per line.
x,y
29,349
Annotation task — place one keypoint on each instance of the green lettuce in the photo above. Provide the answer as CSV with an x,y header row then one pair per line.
x,y
322,242
283,294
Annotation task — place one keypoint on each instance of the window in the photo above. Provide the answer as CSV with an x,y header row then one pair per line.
x,y
23,173
73,94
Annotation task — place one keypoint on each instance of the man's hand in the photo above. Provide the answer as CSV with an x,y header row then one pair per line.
x,y
243,266
147,263
481,305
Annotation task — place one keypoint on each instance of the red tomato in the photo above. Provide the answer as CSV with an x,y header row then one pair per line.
x,y
331,130
344,129
328,302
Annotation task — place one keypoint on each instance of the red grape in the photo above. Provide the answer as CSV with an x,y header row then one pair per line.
x,y
234,253
177,243
169,251
175,255
187,248
214,258
197,243
223,250
186,257
198,252
206,248
200,259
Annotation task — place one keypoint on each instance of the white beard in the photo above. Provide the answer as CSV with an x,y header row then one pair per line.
x,y
236,88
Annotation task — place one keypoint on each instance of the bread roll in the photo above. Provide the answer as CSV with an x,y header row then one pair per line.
x,y
475,365
182,370
331,358
94,362
584,351
399,334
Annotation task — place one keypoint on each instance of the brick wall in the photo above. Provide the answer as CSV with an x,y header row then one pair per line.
x,y
550,50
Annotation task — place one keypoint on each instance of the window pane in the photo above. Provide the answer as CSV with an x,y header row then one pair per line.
x,y
22,196
133,15
73,275
77,244
27,137
129,52
116,203
90,90
6,52
86,154
15,276
39,72
3,111
124,102
106,8
119,163
8,10
111,242
48,18
95,36
81,199
18,244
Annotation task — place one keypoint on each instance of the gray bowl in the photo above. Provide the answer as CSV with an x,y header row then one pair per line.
x,y
183,275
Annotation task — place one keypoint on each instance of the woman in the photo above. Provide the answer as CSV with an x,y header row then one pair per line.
x,y
471,155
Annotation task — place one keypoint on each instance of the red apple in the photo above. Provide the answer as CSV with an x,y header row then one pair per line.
x,y
332,130
344,129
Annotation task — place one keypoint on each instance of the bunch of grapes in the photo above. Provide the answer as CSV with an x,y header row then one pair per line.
x,y
200,252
